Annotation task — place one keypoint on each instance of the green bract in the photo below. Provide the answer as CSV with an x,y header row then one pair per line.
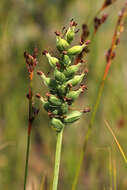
x,y
61,93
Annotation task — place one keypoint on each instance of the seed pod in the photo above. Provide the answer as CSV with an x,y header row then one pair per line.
x,y
57,124
70,34
61,44
73,95
47,105
55,112
51,83
76,80
52,60
66,60
71,31
54,100
59,76
63,108
62,90
71,70
75,50
72,117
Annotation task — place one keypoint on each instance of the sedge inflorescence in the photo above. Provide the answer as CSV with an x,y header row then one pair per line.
x,y
61,93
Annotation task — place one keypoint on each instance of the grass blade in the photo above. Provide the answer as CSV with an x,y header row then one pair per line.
x,y
42,183
117,142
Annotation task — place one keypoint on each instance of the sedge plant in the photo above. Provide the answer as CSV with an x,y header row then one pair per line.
x,y
62,95
31,62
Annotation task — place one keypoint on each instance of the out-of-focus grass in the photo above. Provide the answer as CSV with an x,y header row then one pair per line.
x,y
29,24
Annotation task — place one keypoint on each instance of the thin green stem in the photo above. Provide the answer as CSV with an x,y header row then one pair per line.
x,y
57,160
28,135
110,168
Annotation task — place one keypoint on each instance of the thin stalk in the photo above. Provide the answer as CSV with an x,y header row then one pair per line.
x,y
57,160
117,142
114,175
110,168
116,36
28,134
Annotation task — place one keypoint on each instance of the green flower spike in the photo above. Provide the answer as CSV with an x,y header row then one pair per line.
x,y
61,93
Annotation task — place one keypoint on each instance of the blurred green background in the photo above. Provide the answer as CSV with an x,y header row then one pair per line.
x,y
28,24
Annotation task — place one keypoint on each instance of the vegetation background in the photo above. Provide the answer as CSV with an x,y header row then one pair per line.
x,y
28,24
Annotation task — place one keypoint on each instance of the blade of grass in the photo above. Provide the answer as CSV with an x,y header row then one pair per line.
x,y
117,142
110,168
114,175
116,35
42,183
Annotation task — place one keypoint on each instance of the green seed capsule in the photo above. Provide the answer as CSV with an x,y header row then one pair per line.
x,y
63,108
61,44
59,76
57,124
51,83
45,104
66,60
70,34
75,50
73,95
72,117
55,112
54,100
76,80
52,60
71,70
62,90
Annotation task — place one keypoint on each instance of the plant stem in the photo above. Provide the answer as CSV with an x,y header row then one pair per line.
x,y
28,134
57,160
27,160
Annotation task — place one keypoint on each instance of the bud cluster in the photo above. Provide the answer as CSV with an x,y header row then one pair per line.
x,y
99,21
31,62
107,3
61,94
